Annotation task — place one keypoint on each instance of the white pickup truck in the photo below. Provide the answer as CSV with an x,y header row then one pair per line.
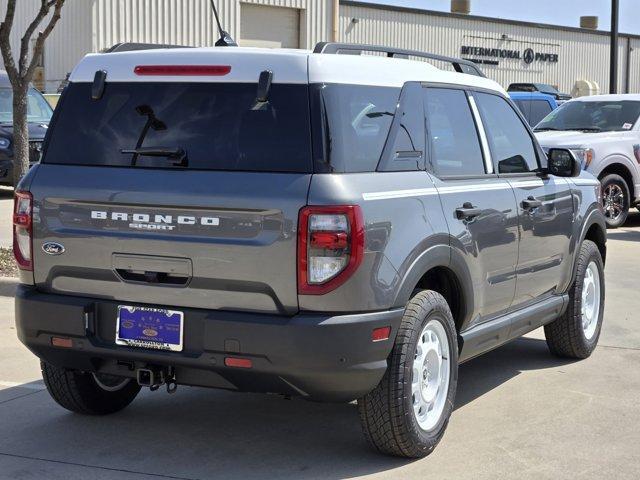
x,y
604,133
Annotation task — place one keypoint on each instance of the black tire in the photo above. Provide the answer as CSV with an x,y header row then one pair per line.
x,y
566,336
387,414
613,182
80,392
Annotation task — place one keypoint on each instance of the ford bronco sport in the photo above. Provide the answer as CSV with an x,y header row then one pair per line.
x,y
335,227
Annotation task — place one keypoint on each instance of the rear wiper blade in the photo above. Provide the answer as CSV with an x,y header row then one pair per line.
x,y
177,154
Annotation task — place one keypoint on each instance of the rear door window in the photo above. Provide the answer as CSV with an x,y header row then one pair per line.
x,y
455,145
512,147
216,126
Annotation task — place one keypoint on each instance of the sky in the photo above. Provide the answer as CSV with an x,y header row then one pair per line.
x,y
556,12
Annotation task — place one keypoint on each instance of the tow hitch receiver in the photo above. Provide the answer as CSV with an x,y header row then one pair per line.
x,y
155,377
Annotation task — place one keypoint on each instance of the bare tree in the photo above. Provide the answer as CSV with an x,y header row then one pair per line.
x,y
20,75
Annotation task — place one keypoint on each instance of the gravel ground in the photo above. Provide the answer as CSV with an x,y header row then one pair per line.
x,y
8,266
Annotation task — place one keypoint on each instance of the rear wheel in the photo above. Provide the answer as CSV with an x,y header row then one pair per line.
x,y
616,199
408,412
88,393
575,334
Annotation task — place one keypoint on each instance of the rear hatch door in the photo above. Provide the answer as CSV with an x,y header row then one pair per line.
x,y
177,193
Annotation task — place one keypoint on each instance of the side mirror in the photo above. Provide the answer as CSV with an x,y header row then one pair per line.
x,y
563,163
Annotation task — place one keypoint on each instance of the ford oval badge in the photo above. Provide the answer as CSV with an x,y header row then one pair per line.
x,y
53,248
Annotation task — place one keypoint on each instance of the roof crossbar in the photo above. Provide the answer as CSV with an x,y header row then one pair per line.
x,y
460,65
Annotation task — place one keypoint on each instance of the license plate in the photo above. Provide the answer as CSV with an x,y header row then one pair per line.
x,y
145,327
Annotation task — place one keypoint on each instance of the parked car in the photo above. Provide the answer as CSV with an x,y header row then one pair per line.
x,y
539,87
604,132
38,115
283,221
534,106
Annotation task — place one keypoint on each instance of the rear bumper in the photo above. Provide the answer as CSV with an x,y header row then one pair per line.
x,y
324,357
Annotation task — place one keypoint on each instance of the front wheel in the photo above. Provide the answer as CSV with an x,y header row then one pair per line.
x,y
616,200
575,334
88,393
408,412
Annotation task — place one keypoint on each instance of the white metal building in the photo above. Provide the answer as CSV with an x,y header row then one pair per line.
x,y
509,51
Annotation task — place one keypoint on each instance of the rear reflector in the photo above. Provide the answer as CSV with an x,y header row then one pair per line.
x,y
183,70
331,240
61,342
238,362
380,334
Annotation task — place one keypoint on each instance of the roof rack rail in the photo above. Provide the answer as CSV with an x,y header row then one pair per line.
x,y
133,46
459,65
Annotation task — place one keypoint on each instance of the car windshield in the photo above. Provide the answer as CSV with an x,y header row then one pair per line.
x,y
38,110
604,116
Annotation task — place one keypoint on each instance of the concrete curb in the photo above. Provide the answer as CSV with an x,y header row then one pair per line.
x,y
8,286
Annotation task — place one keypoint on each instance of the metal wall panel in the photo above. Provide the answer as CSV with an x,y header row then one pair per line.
x,y
582,55
634,66
190,22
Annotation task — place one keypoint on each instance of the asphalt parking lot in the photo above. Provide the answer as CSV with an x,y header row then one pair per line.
x,y
521,413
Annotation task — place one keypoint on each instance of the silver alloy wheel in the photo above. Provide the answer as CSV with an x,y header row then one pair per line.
x,y
431,374
110,383
590,300
613,200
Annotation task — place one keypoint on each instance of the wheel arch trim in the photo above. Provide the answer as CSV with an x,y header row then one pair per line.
x,y
436,256
593,217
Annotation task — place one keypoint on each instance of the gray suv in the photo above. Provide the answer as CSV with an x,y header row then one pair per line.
x,y
335,227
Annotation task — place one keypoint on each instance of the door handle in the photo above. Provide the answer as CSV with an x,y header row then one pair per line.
x,y
467,211
531,203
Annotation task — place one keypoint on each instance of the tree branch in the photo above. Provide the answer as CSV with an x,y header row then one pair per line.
x,y
42,36
26,38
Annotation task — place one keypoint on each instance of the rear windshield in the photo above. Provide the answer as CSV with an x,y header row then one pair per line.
x,y
203,126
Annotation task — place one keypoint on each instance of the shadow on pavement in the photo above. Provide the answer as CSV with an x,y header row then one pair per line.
x,y
489,371
200,433
8,287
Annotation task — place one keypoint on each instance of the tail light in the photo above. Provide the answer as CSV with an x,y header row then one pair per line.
x,y
22,229
330,247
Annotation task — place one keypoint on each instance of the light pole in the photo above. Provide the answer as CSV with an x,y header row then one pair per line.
x,y
613,74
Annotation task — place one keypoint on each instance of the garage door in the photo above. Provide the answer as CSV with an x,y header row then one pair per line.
x,y
270,27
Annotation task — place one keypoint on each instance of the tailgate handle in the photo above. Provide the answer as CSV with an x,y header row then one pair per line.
x,y
152,269
152,277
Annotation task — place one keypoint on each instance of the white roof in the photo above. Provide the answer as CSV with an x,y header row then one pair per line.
x,y
288,66
609,98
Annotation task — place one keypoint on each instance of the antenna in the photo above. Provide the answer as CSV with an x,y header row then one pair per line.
x,y
225,39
